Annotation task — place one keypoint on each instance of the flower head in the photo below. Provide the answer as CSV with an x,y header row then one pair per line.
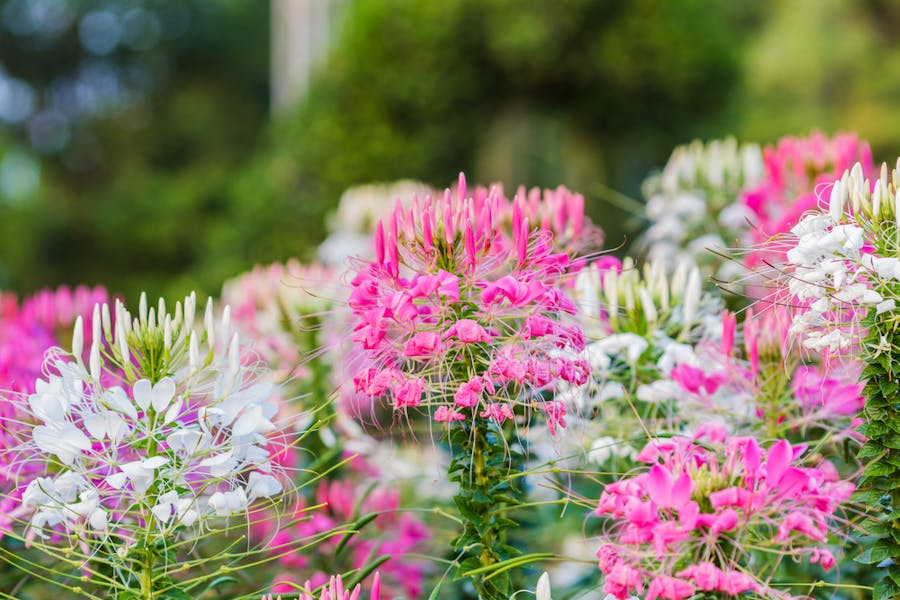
x,y
162,428
457,316
706,494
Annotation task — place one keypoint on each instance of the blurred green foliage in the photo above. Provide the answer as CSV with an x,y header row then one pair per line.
x,y
537,93
192,180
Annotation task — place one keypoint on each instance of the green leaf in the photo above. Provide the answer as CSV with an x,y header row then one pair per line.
x,y
888,388
876,429
870,449
466,509
366,571
436,590
885,589
880,469
466,566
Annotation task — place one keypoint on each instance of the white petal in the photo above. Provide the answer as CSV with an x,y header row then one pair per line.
x,y
154,462
163,511
174,411
116,480
143,393
96,425
118,400
186,440
116,427
251,421
99,519
65,442
260,485
188,517
162,394
885,306
542,592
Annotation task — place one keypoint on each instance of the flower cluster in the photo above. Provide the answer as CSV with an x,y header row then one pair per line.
x,y
845,275
709,508
795,170
649,325
457,317
40,322
843,261
722,195
161,429
693,204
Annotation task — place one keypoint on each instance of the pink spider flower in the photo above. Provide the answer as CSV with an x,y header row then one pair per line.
x,y
558,211
460,317
683,525
334,590
771,384
40,322
27,331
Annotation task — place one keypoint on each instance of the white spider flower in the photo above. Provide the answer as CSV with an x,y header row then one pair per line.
x,y
165,429
844,260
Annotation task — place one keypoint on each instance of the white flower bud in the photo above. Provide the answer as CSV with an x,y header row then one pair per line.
x,y
691,298
648,306
107,322
225,325
193,352
122,342
167,333
190,309
78,339
836,202
142,308
208,320
95,360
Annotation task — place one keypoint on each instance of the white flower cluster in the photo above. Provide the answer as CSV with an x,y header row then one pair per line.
x,y
645,301
694,201
164,429
644,323
845,260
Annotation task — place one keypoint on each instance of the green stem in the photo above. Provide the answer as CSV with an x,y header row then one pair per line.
x,y
487,471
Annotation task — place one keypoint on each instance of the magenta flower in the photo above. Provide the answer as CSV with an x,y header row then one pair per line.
x,y
27,332
463,318
688,522
559,212
334,590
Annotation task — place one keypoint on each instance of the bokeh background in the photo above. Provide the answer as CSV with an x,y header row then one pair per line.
x,y
167,145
